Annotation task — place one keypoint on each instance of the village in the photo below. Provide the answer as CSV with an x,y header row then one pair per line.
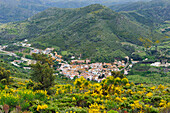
x,y
91,71
76,67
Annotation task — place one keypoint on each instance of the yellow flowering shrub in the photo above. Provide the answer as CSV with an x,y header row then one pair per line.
x,y
125,81
161,87
111,94
41,107
96,108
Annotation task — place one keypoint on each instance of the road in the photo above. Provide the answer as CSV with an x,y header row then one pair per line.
x,y
8,53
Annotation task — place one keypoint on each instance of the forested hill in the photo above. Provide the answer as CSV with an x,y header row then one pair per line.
x,y
16,10
148,13
93,31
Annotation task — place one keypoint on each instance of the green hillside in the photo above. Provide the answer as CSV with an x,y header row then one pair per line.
x,y
17,10
151,13
94,31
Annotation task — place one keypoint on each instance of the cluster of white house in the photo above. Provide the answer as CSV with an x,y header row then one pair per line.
x,y
93,71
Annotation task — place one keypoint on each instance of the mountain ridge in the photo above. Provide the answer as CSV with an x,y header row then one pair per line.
x,y
93,31
18,10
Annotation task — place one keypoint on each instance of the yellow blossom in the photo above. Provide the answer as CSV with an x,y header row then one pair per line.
x,y
152,88
127,84
74,99
161,87
118,99
149,94
124,98
133,106
39,107
6,87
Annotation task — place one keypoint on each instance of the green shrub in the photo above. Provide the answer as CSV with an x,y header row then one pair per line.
x,y
26,95
40,96
4,75
2,86
10,100
154,110
156,99
29,85
112,111
37,86
111,105
25,106
147,100
3,81
136,97
77,110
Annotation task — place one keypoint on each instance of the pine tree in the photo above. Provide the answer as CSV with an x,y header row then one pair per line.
x,y
43,72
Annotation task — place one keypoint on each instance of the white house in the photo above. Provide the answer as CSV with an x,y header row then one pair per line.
x,y
157,64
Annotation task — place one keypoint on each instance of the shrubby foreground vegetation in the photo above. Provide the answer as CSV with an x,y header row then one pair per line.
x,y
112,95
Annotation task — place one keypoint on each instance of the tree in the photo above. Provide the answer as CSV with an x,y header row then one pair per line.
x,y
116,74
42,72
4,75
42,58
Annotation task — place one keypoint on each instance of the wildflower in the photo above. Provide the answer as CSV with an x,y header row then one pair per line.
x,y
117,79
41,107
118,99
163,102
152,88
6,87
132,106
161,87
132,84
140,92
129,91
108,96
147,105
124,98
149,94
144,90
127,84
164,92
116,94
74,99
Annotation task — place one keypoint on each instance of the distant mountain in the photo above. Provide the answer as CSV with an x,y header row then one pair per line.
x,y
149,13
16,10
94,31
